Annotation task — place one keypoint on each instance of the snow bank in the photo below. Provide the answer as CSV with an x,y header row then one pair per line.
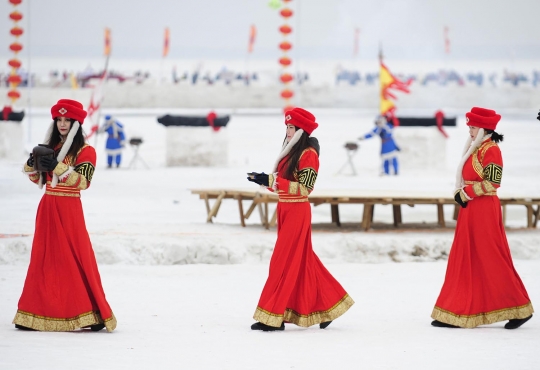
x,y
11,140
256,247
196,146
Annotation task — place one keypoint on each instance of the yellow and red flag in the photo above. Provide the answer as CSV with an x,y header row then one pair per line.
x,y
166,42
389,84
252,35
107,50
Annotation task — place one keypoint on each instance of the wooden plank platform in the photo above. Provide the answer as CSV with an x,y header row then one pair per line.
x,y
260,199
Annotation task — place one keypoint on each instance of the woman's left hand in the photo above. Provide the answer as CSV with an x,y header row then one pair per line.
x,y
260,178
48,163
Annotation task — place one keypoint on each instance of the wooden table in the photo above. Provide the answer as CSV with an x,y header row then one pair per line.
x,y
261,198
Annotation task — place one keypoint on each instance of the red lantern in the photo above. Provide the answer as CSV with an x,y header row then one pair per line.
x,y
15,63
285,61
285,45
15,47
15,2
286,13
13,94
285,29
16,16
287,94
14,79
16,31
286,77
288,107
286,1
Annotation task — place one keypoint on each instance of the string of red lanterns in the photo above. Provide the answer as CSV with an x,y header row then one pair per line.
x,y
14,79
285,61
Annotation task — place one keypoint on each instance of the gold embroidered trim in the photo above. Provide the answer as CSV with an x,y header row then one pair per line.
x,y
60,194
484,148
493,173
60,169
477,188
303,190
271,180
43,323
477,166
27,168
72,179
313,318
293,200
472,321
489,187
293,188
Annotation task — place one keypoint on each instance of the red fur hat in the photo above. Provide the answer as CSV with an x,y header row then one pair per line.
x,y
301,118
483,118
70,109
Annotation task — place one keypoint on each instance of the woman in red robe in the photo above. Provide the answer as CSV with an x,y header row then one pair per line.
x,y
481,285
62,290
299,289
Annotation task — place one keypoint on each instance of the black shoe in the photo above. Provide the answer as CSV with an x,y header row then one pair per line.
x,y
97,327
17,326
324,325
442,324
516,323
264,327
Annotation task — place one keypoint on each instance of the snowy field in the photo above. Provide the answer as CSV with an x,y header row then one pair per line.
x,y
198,317
184,291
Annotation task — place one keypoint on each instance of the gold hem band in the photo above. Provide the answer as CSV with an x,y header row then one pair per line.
x,y
63,194
272,319
43,323
472,321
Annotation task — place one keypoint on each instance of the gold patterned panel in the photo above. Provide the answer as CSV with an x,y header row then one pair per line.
x,y
293,188
43,323
477,165
478,190
493,173
485,318
272,319
307,177
60,169
86,169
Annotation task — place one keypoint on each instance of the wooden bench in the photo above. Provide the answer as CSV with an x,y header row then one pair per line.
x,y
260,200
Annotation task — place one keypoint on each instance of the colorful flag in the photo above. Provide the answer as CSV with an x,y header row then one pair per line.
x,y
389,84
166,42
252,35
446,41
107,50
356,41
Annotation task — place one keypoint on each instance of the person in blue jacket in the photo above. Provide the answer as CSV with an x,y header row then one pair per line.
x,y
115,142
389,148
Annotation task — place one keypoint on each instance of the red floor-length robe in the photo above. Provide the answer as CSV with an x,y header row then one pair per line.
x,y
299,289
62,290
481,284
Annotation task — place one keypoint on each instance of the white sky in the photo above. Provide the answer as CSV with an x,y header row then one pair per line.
x,y
218,29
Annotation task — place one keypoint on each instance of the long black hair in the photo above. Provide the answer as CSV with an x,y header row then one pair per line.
x,y
78,140
495,136
294,155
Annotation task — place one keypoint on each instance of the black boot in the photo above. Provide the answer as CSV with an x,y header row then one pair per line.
x,y
97,327
264,327
17,326
516,323
324,325
442,324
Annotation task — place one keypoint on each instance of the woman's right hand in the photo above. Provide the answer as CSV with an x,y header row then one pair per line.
x,y
30,161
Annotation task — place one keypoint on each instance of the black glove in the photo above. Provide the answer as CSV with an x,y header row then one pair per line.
x,y
459,201
260,178
30,161
538,118
48,163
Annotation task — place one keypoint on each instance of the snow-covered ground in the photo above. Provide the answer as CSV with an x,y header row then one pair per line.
x,y
197,315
